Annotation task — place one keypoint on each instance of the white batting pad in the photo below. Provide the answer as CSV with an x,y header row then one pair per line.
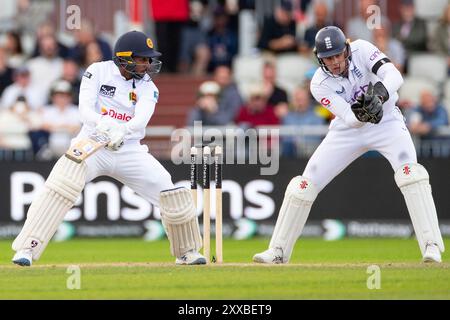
x,y
179,217
298,199
61,190
413,181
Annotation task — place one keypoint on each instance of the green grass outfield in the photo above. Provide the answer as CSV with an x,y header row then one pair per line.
x,y
134,269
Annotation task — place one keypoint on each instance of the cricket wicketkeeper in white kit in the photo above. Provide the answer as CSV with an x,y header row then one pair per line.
x,y
117,99
359,85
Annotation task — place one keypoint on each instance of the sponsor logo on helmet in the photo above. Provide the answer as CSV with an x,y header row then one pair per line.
x,y
107,91
150,43
116,115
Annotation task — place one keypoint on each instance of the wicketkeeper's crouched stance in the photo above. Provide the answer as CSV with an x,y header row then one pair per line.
x,y
358,84
117,99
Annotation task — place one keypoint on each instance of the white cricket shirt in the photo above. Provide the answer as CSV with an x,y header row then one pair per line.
x,y
368,64
105,92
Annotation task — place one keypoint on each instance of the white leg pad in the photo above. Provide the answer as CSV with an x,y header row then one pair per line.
x,y
62,188
179,217
413,181
298,199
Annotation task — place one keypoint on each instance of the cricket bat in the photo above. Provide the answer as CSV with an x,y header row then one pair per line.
x,y
81,150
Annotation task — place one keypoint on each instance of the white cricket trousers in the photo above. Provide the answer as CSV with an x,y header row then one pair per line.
x,y
342,146
133,166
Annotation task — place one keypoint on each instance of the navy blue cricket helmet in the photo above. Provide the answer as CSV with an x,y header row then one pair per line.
x,y
331,41
136,44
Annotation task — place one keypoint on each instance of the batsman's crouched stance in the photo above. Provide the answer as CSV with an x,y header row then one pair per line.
x,y
109,145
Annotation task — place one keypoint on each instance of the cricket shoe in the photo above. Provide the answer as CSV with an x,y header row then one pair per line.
x,y
191,258
23,258
271,256
432,253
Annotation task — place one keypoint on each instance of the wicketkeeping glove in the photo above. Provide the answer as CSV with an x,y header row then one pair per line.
x,y
369,106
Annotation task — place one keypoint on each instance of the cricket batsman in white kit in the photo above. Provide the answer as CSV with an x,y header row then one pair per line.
x,y
117,100
359,85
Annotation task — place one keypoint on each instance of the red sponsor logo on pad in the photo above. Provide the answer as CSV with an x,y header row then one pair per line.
x,y
406,170
303,184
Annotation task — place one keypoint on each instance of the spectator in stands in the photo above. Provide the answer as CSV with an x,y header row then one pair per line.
x,y
222,41
390,46
302,114
71,73
14,50
230,99
441,38
356,27
60,118
256,111
207,107
14,126
194,52
22,86
411,31
48,29
31,13
84,36
321,19
427,117
91,53
278,34
47,67
277,97
6,72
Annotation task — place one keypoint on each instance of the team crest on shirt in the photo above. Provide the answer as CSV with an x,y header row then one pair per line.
x,y
107,91
132,97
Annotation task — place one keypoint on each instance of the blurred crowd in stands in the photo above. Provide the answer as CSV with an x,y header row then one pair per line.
x,y
39,88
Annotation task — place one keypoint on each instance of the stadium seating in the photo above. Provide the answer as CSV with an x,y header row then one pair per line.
x,y
247,70
177,95
291,70
430,10
427,65
413,86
